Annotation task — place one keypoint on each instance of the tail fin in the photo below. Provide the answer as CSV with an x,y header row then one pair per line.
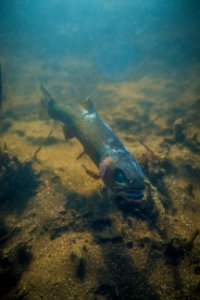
x,y
47,97
47,102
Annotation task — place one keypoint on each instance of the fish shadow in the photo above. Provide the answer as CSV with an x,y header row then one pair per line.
x,y
119,277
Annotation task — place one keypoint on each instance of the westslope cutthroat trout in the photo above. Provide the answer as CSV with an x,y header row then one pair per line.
x,y
118,168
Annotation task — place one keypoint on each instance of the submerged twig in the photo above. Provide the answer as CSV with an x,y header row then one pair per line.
x,y
34,158
190,243
148,149
13,228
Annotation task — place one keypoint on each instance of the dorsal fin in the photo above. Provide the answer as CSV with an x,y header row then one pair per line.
x,y
47,96
88,105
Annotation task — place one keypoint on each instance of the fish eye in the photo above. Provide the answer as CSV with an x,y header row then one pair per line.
x,y
120,177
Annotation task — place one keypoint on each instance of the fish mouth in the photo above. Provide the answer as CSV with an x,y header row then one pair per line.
x,y
133,194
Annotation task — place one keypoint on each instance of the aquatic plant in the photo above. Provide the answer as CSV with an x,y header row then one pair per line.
x,y
18,182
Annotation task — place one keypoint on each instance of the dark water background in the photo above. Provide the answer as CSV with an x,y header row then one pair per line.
x,y
114,36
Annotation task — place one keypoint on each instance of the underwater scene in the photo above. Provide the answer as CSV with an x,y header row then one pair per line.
x,y
99,149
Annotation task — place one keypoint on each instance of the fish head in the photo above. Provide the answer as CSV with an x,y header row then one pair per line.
x,y
123,175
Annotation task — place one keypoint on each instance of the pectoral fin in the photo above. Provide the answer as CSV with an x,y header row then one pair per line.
x,y
81,154
91,173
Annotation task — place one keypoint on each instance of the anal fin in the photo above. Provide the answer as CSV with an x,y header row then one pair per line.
x,y
68,132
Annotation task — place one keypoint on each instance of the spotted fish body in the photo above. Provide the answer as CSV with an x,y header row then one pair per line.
x,y
118,168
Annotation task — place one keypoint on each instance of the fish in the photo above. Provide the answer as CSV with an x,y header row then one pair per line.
x,y
118,168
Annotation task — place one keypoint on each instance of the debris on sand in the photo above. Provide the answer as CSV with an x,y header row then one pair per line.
x,y
105,290
81,269
12,265
179,131
181,137
156,167
177,248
